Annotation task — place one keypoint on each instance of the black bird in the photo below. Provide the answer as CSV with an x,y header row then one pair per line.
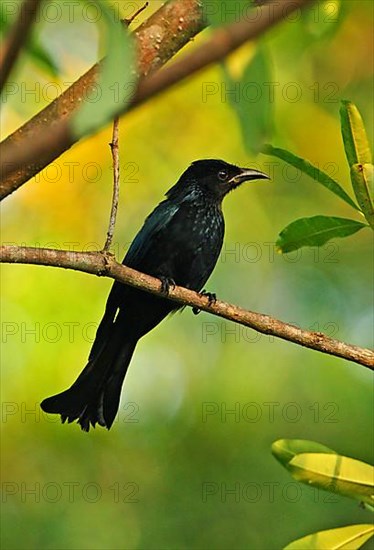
x,y
179,243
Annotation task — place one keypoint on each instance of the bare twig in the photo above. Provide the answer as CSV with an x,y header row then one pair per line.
x,y
99,264
54,137
17,37
114,146
134,15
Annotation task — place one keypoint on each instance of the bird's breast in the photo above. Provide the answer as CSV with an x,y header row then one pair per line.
x,y
195,245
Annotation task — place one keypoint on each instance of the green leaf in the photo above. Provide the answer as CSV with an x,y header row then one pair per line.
x,y
335,473
285,450
309,169
4,22
249,98
110,94
223,12
33,48
356,143
315,231
362,176
322,19
351,537
42,58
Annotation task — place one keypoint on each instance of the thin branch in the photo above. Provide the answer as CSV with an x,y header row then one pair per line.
x,y
99,264
53,136
134,15
175,23
114,146
16,39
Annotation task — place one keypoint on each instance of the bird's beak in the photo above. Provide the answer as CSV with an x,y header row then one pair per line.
x,y
247,174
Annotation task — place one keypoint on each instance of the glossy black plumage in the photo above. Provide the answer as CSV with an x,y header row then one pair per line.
x,y
179,241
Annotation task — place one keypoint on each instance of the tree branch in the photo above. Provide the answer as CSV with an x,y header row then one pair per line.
x,y
102,265
135,15
114,146
176,22
47,135
17,37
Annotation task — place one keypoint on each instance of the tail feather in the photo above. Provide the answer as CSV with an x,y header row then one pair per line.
x,y
111,394
94,397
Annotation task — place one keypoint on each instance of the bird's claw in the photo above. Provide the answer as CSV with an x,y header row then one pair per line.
x,y
166,283
212,298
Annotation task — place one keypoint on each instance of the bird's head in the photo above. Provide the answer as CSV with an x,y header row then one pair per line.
x,y
214,178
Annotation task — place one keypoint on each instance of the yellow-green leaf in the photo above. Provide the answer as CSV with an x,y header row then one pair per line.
x,y
362,176
285,450
354,135
335,473
351,537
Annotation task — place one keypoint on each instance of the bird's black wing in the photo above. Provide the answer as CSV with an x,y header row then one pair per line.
x,y
154,226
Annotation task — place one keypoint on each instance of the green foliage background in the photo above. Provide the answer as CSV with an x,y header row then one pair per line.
x,y
170,453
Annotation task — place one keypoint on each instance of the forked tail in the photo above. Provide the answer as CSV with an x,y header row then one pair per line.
x,y
94,397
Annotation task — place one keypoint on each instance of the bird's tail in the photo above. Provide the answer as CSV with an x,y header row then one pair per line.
x,y
94,396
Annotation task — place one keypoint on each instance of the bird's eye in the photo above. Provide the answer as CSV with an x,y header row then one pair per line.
x,y
223,175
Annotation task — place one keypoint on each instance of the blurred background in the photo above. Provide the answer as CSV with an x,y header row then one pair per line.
x,y
187,463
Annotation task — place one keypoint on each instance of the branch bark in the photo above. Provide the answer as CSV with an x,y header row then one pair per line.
x,y
114,146
97,263
17,37
47,135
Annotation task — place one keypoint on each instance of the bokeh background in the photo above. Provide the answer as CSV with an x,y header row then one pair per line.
x,y
177,470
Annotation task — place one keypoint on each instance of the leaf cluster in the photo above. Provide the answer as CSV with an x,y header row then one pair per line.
x,y
318,466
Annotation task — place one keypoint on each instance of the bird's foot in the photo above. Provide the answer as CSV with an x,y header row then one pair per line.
x,y
166,284
212,298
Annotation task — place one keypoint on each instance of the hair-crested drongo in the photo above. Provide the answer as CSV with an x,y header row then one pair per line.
x,y
179,243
